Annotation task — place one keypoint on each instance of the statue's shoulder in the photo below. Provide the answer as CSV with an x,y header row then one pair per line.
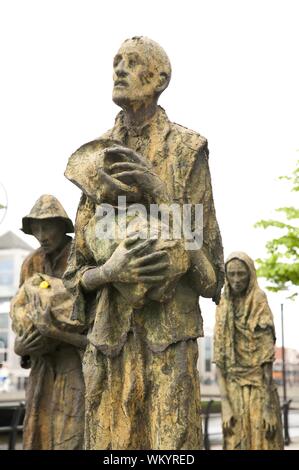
x,y
33,263
34,255
260,296
188,138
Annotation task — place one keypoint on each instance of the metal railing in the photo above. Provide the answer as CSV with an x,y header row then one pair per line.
x,y
11,421
12,415
216,437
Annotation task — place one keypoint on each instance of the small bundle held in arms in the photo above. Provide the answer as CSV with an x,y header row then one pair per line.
x,y
52,294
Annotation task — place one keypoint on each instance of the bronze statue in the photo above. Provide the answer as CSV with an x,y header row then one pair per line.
x,y
244,353
139,297
45,338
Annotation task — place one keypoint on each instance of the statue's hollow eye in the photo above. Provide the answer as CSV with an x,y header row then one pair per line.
x,y
116,60
132,63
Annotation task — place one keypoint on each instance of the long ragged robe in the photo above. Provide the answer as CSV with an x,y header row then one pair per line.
x,y
244,341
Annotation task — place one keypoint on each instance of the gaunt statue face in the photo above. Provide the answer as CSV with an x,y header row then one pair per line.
x,y
237,276
50,233
141,71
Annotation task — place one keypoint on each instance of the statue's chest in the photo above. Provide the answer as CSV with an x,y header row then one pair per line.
x,y
157,152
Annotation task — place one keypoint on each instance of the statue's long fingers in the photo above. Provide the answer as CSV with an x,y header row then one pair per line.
x,y
140,247
117,149
150,258
31,337
131,240
126,176
124,151
36,301
152,268
151,279
35,347
122,166
131,155
225,428
47,314
35,342
27,332
107,179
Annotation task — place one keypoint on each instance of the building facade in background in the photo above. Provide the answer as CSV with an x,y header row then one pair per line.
x,y
291,366
207,369
13,251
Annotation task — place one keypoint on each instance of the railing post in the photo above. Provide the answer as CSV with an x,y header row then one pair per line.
x,y
206,425
14,426
285,409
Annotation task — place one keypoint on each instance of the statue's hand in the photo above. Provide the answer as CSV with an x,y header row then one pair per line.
x,y
228,419
137,170
269,420
31,342
42,318
132,262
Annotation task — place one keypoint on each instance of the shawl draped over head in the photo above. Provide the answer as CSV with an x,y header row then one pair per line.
x,y
244,333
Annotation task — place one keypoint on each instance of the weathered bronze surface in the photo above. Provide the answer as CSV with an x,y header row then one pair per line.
x,y
244,353
46,339
139,298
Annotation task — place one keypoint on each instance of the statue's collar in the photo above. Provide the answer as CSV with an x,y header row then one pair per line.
x,y
159,121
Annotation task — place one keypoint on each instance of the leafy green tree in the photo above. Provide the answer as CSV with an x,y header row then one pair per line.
x,y
281,265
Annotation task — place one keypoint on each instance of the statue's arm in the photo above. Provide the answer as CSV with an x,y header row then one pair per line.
x,y
202,274
228,418
269,408
94,278
75,339
207,261
80,260
221,384
267,375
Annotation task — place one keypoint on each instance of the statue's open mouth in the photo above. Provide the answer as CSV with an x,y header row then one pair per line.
x,y
121,83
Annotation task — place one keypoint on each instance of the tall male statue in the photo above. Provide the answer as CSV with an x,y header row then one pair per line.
x,y
140,297
244,353
47,341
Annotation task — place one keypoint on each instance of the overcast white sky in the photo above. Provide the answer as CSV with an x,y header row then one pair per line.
x,y
235,80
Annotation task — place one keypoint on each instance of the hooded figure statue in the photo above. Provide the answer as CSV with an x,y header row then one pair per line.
x,y
244,352
46,339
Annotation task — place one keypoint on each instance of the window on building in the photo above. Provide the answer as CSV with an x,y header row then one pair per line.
x,y
3,339
208,367
4,321
3,345
6,270
208,354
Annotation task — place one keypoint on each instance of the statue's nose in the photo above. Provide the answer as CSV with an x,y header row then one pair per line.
x,y
120,69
